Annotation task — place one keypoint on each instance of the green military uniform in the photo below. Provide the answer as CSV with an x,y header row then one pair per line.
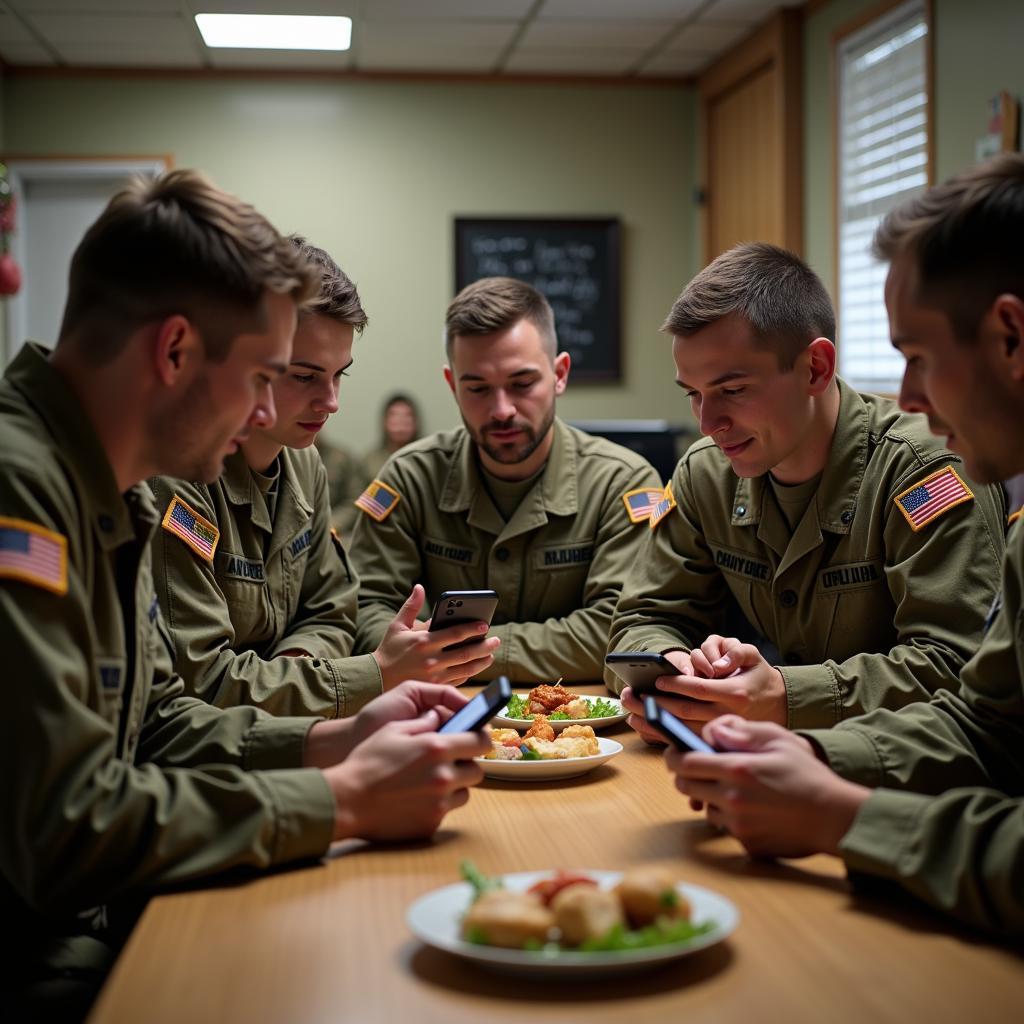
x,y
949,822
557,563
277,581
117,783
865,611
374,460
346,479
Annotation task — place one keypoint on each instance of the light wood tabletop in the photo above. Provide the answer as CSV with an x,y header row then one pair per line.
x,y
329,942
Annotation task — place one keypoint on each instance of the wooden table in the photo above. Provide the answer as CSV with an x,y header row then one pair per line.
x,y
329,942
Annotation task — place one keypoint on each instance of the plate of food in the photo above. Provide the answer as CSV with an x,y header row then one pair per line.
x,y
572,922
561,707
540,753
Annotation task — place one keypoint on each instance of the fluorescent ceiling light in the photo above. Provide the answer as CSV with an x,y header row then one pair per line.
x,y
275,31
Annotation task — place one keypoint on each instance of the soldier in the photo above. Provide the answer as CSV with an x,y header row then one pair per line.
x,y
181,310
263,612
515,501
929,796
836,527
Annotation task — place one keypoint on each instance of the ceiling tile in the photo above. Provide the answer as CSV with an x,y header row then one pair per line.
x,y
13,31
672,64
158,28
429,35
745,10
151,55
576,62
319,7
34,7
625,10
24,54
565,35
708,37
423,10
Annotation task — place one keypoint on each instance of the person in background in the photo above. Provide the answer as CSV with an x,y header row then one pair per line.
x,y
180,313
931,796
264,613
347,478
400,425
515,500
830,526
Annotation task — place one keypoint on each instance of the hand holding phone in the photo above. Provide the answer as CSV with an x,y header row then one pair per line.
x,y
681,736
459,607
481,709
640,669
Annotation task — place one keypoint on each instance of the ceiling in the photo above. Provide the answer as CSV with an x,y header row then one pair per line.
x,y
607,38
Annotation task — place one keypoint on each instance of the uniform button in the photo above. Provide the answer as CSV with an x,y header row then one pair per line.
x,y
501,554
787,598
847,517
106,523
740,510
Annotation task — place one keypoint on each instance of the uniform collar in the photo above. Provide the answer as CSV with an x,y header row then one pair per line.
x,y
114,515
840,481
241,489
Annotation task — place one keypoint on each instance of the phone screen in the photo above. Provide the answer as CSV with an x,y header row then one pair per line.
x,y
481,708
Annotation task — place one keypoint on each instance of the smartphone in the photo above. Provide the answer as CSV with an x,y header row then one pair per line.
x,y
681,736
640,669
457,607
481,709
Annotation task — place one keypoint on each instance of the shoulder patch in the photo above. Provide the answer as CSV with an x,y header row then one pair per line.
x,y
185,522
32,554
378,501
928,499
1016,515
641,502
662,509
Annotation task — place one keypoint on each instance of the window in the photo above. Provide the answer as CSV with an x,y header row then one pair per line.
x,y
882,159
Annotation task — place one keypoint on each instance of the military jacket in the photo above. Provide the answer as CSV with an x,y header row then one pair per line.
x,y
864,610
948,822
117,782
557,564
271,585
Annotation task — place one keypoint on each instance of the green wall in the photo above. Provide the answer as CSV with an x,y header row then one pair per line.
x,y
374,171
976,54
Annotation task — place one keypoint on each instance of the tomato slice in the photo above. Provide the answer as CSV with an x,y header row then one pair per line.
x,y
548,888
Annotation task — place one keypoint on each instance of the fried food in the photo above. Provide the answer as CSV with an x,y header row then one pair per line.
x,y
650,892
504,918
585,734
505,737
546,749
541,728
577,708
585,912
545,699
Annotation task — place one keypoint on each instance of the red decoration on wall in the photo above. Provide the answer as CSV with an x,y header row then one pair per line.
x,y
10,272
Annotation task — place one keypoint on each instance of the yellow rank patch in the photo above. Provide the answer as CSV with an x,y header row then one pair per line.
x,y
32,554
378,501
1016,515
640,503
662,509
936,494
186,523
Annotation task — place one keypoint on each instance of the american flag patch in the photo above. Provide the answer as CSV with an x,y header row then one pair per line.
x,y
378,501
640,503
662,509
33,554
185,522
931,497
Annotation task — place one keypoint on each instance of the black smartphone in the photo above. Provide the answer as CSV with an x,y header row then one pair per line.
x,y
481,709
457,607
640,669
681,736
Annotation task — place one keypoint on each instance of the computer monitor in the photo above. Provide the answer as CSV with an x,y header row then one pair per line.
x,y
655,440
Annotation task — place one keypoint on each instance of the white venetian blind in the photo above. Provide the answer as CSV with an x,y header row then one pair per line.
x,y
883,158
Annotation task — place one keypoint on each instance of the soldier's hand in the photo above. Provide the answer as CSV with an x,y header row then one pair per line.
x,y
745,684
409,651
634,705
405,702
710,660
401,781
768,789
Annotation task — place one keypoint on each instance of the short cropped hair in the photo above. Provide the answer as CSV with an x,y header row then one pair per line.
x,y
177,244
964,238
781,298
496,303
338,297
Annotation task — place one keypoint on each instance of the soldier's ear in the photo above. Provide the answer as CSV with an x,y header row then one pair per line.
x,y
450,378
562,364
820,357
1007,313
174,349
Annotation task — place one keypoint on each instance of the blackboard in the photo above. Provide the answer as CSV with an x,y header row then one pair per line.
x,y
573,262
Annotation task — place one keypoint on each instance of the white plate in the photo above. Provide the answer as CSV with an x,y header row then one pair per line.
x,y
558,725
537,771
436,918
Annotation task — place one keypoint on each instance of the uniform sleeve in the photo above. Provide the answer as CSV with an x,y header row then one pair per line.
x,y
83,825
573,647
386,556
198,619
942,579
653,614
